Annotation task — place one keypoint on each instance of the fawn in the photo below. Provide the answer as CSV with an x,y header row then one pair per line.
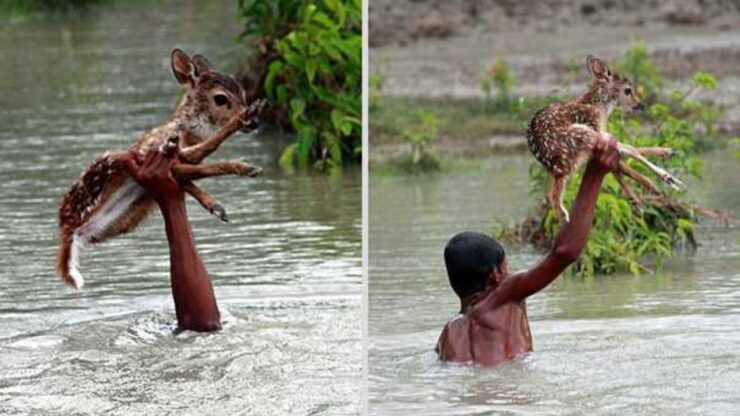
x,y
105,201
562,135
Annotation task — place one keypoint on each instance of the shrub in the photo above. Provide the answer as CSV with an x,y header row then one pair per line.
x,y
421,135
375,86
500,77
312,73
641,70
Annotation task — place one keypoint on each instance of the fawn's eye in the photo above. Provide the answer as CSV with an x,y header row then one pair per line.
x,y
627,91
220,99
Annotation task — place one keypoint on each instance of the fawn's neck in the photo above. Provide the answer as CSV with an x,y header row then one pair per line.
x,y
597,96
189,120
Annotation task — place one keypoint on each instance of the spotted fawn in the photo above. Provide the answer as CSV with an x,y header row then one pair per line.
x,y
562,135
105,201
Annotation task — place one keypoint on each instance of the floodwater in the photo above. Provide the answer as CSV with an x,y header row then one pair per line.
x,y
286,268
656,344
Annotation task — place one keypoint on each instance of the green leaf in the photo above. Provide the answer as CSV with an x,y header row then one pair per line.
x,y
310,70
281,94
346,128
275,68
324,20
337,118
287,156
297,106
306,141
705,80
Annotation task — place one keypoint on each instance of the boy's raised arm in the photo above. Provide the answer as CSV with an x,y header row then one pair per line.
x,y
195,303
570,241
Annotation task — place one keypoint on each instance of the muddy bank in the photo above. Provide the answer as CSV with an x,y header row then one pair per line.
x,y
449,147
403,21
547,62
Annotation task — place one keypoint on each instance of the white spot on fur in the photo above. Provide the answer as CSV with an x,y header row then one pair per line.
x,y
582,126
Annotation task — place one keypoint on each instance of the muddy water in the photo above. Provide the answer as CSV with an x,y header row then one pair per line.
x,y
286,269
660,344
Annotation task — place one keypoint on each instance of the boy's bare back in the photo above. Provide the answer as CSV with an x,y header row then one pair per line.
x,y
465,339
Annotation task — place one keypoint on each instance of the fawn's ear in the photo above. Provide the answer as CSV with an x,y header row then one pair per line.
x,y
597,68
202,66
183,68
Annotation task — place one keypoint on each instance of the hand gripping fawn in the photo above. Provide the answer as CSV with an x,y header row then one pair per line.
x,y
562,135
105,201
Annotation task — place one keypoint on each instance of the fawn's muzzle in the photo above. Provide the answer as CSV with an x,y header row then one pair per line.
x,y
639,107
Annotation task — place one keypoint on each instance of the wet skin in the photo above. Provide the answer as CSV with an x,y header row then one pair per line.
x,y
195,303
492,326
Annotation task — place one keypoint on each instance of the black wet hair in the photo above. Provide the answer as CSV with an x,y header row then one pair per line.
x,y
470,257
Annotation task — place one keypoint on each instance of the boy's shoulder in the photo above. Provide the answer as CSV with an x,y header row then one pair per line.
x,y
454,344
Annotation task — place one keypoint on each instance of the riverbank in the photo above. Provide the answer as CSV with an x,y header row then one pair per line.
x,y
448,73
406,21
468,127
12,9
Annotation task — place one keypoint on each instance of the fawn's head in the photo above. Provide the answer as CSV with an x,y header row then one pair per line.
x,y
211,98
611,89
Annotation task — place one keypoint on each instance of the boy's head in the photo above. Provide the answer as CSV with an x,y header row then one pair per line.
x,y
474,262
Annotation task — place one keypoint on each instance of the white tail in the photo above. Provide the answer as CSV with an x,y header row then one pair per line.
x,y
113,210
74,259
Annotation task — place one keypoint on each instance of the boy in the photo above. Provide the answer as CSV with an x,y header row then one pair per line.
x,y
492,326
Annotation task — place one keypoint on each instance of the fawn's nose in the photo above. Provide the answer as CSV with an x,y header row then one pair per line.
x,y
639,107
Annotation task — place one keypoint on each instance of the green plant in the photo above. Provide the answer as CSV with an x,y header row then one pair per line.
x,y
500,77
27,7
375,85
624,236
734,144
421,135
313,74
637,66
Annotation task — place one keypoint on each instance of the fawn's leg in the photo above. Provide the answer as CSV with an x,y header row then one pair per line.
x,y
655,151
556,198
630,151
639,178
193,172
206,201
196,153
627,189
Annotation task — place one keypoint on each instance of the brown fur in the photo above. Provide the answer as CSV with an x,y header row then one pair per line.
x,y
562,136
197,117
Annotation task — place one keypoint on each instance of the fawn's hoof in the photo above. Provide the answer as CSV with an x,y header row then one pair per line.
x,y
675,152
637,206
562,214
673,182
220,212
251,171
